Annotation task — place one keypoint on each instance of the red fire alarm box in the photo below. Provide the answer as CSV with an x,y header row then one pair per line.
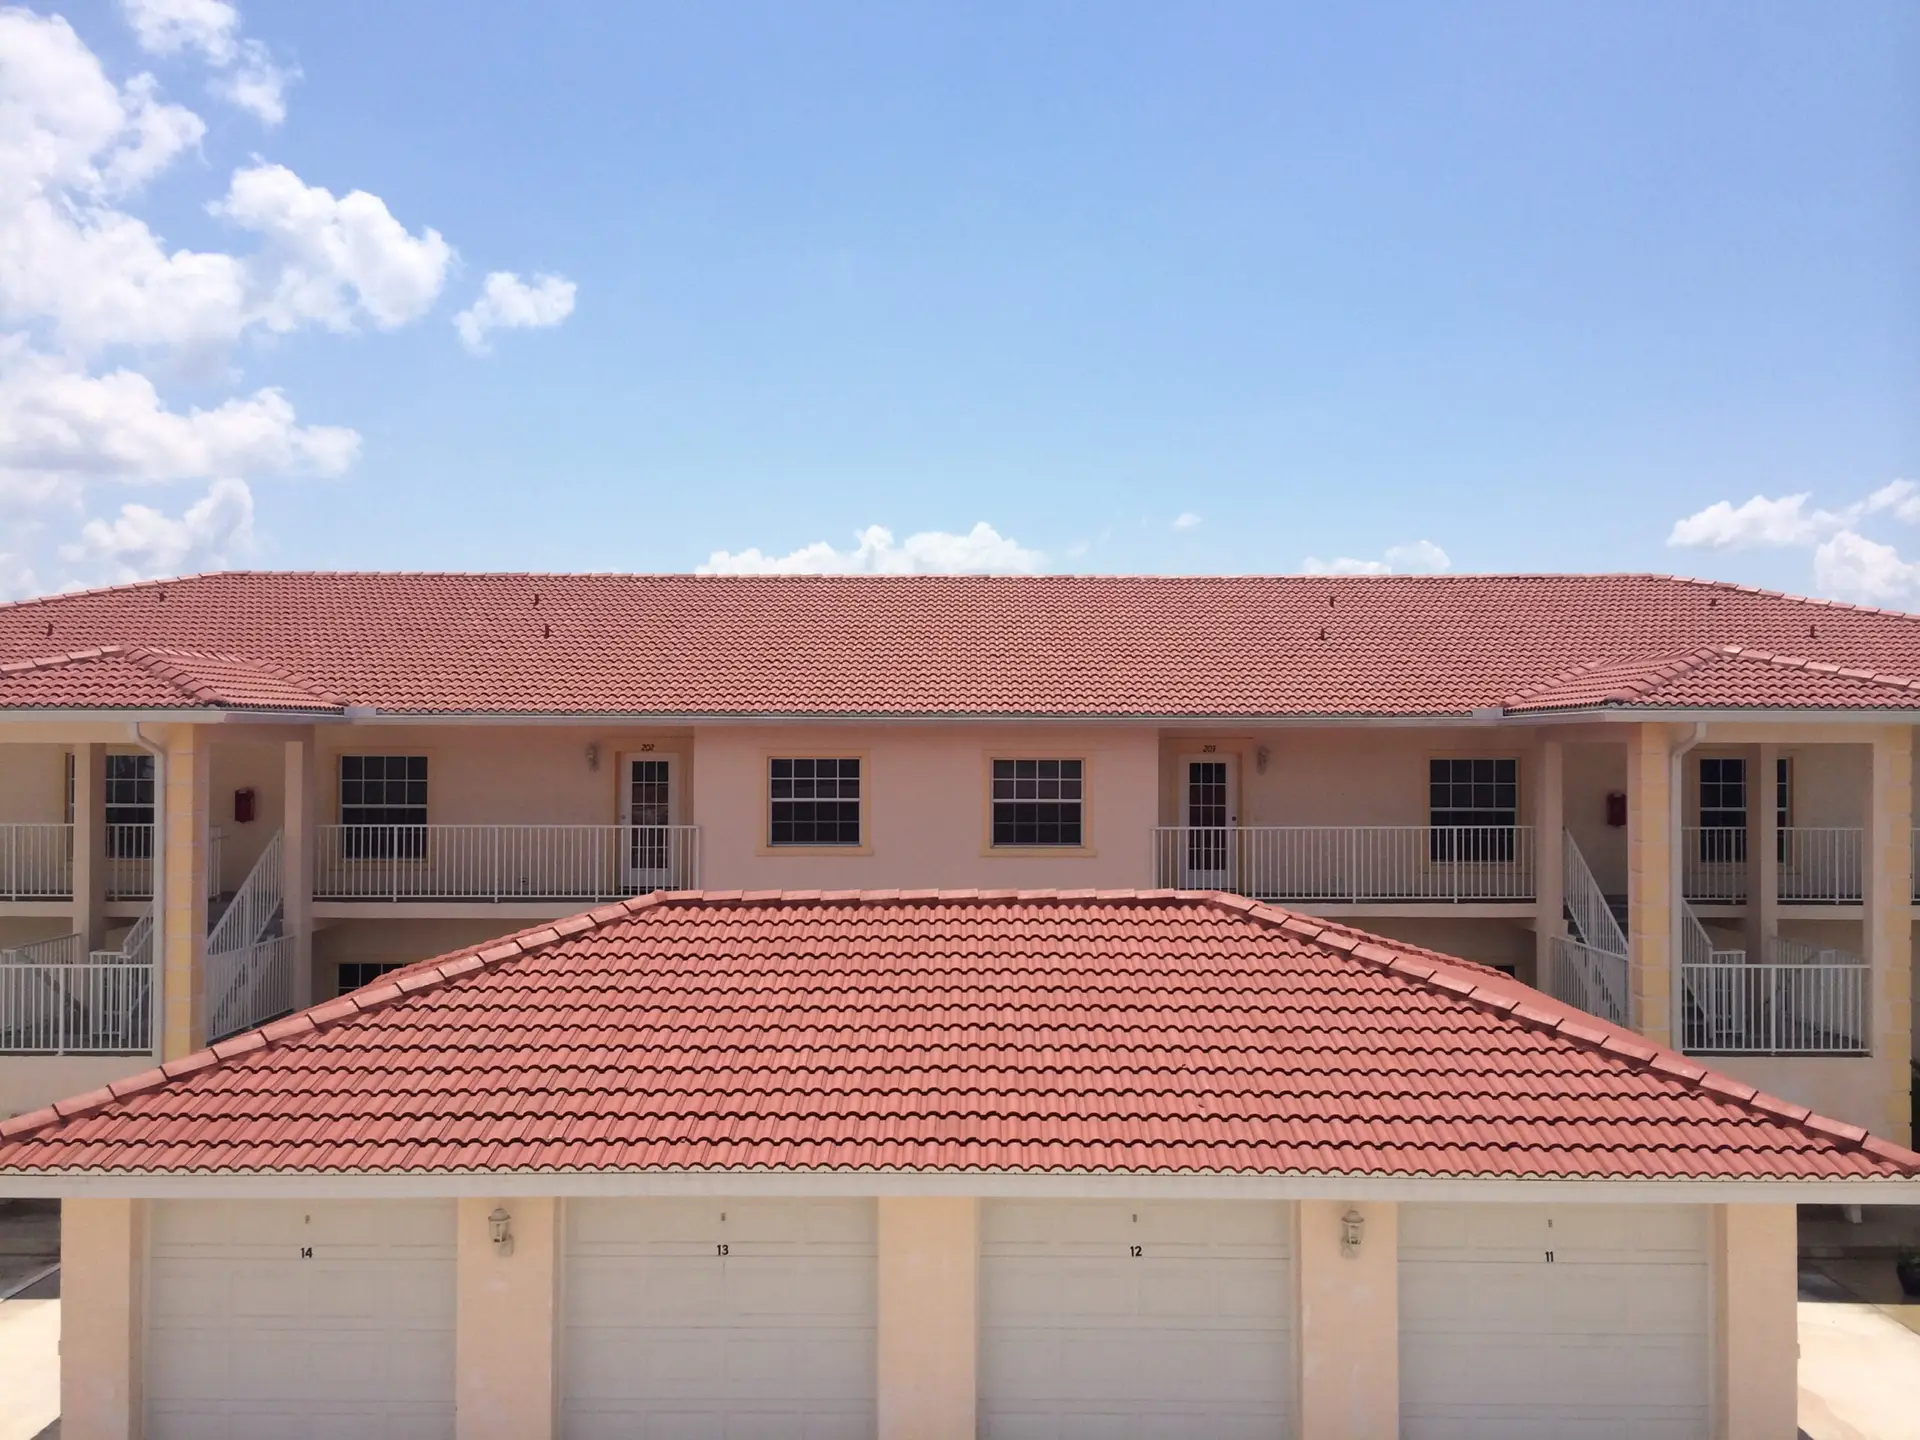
x,y
1617,809
243,807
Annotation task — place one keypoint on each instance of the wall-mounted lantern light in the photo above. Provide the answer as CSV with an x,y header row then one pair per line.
x,y
500,1227
593,757
1261,757
1351,1224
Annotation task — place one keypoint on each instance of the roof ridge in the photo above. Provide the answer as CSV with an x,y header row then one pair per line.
x,y
203,689
1819,667
67,657
1412,964
1567,1023
1659,670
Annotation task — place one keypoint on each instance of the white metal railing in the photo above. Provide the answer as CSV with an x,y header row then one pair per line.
x,y
503,862
36,861
1805,1000
55,1002
1349,863
254,905
129,853
249,986
1593,918
1696,945
1820,864
1595,980
1713,864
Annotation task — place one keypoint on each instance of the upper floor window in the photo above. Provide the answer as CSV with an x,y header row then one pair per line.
x,y
129,806
383,804
1473,805
814,801
1039,802
1723,809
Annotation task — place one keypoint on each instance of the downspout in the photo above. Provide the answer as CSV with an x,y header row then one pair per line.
x,y
156,1020
1676,868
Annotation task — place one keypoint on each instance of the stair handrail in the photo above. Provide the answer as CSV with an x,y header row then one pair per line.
x,y
1593,917
251,912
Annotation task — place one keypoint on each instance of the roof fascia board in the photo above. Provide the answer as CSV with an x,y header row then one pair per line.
x,y
1641,714
989,1185
21,715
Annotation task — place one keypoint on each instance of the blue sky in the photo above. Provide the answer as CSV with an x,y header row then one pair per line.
x,y
1201,288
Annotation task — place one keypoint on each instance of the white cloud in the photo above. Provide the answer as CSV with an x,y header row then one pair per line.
x,y
330,256
1760,523
166,27
1186,520
1416,557
216,530
1846,563
508,303
257,84
981,551
1901,497
1851,567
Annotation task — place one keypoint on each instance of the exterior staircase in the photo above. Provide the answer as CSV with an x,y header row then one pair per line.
x,y
249,955
1588,967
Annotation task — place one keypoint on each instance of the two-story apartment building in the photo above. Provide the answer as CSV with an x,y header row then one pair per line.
x,y
1685,809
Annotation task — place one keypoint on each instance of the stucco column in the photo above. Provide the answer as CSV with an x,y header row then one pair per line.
x,y
1650,882
1763,852
507,1320
90,844
1886,866
102,1313
1756,1323
1348,1347
296,852
928,1340
183,888
1549,836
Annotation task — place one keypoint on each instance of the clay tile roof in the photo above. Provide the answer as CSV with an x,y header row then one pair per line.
x,y
1719,677
143,677
948,645
1112,1032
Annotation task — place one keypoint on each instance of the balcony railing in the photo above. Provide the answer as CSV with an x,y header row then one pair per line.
x,y
1593,979
36,862
1818,864
56,999
129,862
1804,1001
1349,864
503,862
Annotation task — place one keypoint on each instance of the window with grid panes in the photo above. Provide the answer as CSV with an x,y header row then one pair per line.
x,y
1782,804
1038,802
129,805
1723,810
813,801
1473,805
355,973
383,806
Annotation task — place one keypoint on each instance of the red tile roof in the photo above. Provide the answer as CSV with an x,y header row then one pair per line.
x,y
140,677
1110,1031
950,645
1720,677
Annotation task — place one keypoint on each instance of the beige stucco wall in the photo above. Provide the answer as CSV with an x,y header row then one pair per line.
x,y
102,1319
33,783
1347,1347
1491,942
396,942
1849,1088
507,1325
927,807
928,1316
255,766
29,1081
1594,770
1757,1339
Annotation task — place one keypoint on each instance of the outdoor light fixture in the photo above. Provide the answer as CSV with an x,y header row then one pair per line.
x,y
1351,1225
499,1226
1261,756
593,757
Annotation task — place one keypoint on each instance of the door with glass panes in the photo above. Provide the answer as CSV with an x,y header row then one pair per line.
x,y
647,804
1209,821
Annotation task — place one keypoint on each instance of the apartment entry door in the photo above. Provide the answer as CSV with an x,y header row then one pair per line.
x,y
1209,815
647,796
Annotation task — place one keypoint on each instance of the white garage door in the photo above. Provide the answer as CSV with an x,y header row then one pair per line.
x,y
270,1320
729,1319
1134,1319
1535,1322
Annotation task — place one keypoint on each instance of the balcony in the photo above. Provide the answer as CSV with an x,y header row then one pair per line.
x,y
1804,1000
36,862
1350,864
495,863
58,999
1818,865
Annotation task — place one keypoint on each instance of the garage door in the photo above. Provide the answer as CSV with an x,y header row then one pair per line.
x,y
1128,1319
300,1321
1530,1322
731,1319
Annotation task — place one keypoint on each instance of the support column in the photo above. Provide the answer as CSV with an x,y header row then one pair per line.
x,y
102,1312
183,887
1348,1347
1763,855
1887,881
928,1339
1756,1387
1651,900
296,881
507,1322
1549,837
90,844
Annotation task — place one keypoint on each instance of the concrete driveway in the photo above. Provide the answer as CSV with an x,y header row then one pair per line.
x,y
1859,1353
